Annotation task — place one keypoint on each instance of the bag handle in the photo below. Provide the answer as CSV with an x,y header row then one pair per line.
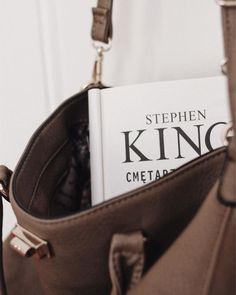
x,y
102,21
229,29
227,188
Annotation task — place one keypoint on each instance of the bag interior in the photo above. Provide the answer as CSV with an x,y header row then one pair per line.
x,y
52,179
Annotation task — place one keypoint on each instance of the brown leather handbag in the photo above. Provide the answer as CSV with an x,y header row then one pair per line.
x,y
173,236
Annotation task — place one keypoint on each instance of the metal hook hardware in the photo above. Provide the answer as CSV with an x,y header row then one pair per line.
x,y
4,191
97,69
228,134
27,244
224,68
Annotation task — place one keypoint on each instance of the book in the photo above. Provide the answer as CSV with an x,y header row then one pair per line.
x,y
140,133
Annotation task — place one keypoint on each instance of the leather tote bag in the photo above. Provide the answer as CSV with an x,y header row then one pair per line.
x,y
173,236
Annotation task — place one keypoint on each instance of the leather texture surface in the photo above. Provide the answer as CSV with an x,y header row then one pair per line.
x,y
81,242
102,21
198,261
188,218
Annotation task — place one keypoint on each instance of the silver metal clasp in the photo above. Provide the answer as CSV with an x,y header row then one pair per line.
x,y
224,66
96,80
97,69
3,190
227,134
27,244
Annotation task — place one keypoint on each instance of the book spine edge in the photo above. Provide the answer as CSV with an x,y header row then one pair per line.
x,y
96,157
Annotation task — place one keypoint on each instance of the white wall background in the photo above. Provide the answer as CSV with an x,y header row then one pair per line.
x,y
46,55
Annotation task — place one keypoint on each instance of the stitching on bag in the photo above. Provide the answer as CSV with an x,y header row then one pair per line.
x,y
201,188
227,28
228,35
127,198
45,166
215,251
43,130
57,186
206,180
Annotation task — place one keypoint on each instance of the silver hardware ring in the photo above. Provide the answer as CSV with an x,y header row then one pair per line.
x,y
100,46
3,191
228,133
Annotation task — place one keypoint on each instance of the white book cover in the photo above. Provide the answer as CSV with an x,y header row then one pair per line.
x,y
140,133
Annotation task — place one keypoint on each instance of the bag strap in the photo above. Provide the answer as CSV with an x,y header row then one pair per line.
x,y
229,29
2,280
102,21
5,176
227,188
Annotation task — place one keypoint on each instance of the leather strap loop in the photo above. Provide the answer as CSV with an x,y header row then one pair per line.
x,y
126,261
102,21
